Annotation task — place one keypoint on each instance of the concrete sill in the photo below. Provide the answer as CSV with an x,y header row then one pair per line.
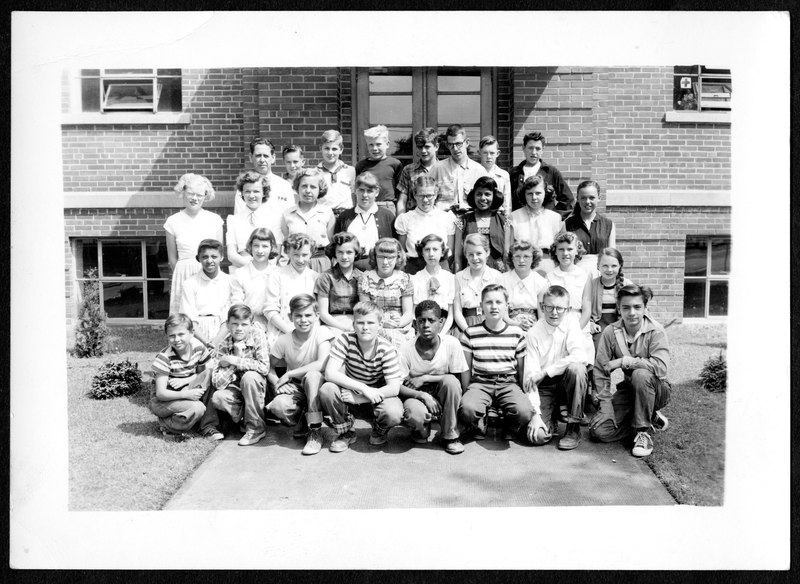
x,y
125,118
697,117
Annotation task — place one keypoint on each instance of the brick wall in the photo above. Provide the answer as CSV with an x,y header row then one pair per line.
x,y
645,152
504,112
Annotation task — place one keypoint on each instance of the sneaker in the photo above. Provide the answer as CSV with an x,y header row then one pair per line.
x,y
212,434
251,437
571,437
642,445
313,442
660,421
422,436
343,441
378,438
453,446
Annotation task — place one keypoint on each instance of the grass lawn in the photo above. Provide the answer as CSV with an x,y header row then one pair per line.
x,y
120,461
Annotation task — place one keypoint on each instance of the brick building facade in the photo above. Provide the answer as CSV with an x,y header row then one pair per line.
x,y
665,173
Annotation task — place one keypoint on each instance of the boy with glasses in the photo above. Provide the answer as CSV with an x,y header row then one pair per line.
x,y
556,367
457,174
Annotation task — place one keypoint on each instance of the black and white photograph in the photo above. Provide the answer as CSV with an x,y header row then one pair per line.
x,y
373,278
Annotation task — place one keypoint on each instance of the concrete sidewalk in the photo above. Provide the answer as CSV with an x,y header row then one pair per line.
x,y
492,473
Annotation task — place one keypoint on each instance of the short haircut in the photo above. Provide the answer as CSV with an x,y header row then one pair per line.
x,y
424,181
387,245
477,239
260,140
633,290
486,182
240,311
454,130
297,241
209,244
426,135
178,319
368,179
524,245
427,239
301,302
313,172
205,186
556,291
292,148
366,307
262,234
568,236
252,177
340,239
428,305
331,136
494,288
487,141
532,137
614,253
377,132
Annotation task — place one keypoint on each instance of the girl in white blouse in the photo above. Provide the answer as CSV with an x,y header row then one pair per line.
x,y
534,223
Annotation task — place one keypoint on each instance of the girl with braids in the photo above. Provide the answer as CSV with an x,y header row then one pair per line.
x,y
604,290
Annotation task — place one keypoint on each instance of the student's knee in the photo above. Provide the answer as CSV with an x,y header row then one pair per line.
x,y
450,386
329,393
415,414
312,379
602,431
253,380
471,410
192,412
643,379
578,370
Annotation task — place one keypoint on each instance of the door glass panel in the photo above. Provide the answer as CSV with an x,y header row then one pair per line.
x,y
696,258
473,135
694,299
718,299
123,299
401,144
385,83
720,256
459,109
86,257
461,83
390,110
122,258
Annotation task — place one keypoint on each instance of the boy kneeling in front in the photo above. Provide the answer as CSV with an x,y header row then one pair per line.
x,y
555,366
362,371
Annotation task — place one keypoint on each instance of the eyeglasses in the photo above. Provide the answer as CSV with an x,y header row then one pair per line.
x,y
421,196
549,308
454,145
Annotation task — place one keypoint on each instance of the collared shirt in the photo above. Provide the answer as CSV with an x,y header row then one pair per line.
x,y
341,292
204,296
341,181
285,283
365,228
411,172
313,223
440,287
469,289
342,173
281,195
252,354
456,181
552,349
415,225
523,293
249,286
540,229
241,226
388,293
503,181
449,358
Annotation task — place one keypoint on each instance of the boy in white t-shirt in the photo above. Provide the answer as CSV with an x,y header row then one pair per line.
x,y
429,365
303,352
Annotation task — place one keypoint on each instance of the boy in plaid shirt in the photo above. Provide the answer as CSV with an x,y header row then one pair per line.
x,y
239,380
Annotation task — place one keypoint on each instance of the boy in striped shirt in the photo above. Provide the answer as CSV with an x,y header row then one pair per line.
x,y
495,351
362,370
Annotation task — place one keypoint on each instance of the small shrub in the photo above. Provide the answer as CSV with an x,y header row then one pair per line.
x,y
714,374
115,379
91,332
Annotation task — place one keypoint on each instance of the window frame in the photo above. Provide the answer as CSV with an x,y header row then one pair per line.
x,y
143,278
700,75
709,277
153,76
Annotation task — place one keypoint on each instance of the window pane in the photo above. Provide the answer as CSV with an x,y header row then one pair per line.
x,y
123,299
694,299
696,257
400,142
390,110
128,94
122,258
158,299
459,109
718,299
459,83
156,259
720,256
128,72
473,135
379,83
86,257
169,99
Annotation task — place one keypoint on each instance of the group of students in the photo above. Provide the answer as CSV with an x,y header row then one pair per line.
x,y
420,293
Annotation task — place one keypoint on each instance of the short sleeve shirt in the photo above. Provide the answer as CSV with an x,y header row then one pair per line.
x,y
169,363
296,353
314,223
494,352
342,293
381,368
449,358
415,225
190,231
440,287
386,292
